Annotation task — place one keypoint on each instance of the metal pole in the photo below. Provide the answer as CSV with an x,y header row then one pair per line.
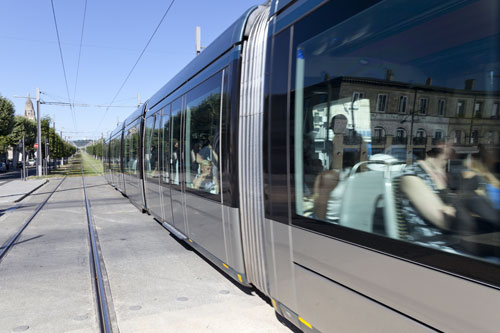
x,y
46,156
54,137
198,40
39,135
24,161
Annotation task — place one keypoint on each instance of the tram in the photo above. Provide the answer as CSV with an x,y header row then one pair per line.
x,y
340,156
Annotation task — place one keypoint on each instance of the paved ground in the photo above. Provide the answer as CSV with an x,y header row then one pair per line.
x,y
45,283
14,190
157,284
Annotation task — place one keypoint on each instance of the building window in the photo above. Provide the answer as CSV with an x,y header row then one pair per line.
x,y
474,137
438,137
400,138
403,101
378,135
357,96
458,137
423,102
420,137
489,137
478,107
381,102
441,107
494,111
461,109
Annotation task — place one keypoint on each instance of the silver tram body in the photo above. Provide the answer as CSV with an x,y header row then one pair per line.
x,y
253,218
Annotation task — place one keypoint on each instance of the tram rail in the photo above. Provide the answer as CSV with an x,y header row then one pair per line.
x,y
101,299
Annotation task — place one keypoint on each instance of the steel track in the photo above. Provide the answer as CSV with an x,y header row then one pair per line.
x,y
102,303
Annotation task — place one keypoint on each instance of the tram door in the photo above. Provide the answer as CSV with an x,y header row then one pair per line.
x,y
177,196
164,128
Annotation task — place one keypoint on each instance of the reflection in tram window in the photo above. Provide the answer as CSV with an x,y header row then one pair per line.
x,y
402,166
202,136
131,149
165,130
151,135
174,144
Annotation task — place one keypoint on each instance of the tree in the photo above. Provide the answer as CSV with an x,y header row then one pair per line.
x,y
23,127
6,116
6,122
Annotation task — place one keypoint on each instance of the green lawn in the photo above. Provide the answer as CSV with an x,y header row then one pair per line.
x,y
91,166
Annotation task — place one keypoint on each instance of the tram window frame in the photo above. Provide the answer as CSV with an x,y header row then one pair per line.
x,y
176,115
148,143
131,145
484,272
276,129
193,95
165,145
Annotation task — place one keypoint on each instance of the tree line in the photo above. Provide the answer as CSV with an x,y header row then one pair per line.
x,y
13,128
96,149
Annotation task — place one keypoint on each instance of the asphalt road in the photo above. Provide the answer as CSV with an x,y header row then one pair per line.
x,y
15,174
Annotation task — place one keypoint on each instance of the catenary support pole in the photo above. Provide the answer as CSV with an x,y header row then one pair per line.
x,y
39,135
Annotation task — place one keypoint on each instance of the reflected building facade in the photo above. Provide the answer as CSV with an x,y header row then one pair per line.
x,y
406,120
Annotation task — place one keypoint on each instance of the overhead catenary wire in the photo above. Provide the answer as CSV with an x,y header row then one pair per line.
x,y
62,62
60,102
80,51
137,61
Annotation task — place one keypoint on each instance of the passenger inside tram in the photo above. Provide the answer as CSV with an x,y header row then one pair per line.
x,y
483,170
207,152
327,191
425,202
206,181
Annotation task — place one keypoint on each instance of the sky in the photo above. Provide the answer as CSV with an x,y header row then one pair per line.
x,y
115,32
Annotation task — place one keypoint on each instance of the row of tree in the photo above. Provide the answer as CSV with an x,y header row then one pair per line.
x,y
96,149
13,128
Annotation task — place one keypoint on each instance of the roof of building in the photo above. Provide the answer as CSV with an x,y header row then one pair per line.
x,y
29,104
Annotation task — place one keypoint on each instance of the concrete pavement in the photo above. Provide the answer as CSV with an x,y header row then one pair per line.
x,y
16,190
156,283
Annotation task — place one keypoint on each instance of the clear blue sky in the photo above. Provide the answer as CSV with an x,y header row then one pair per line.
x,y
115,34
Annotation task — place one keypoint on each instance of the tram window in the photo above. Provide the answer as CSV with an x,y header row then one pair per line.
x,y
151,165
175,142
202,136
131,150
165,131
114,160
347,171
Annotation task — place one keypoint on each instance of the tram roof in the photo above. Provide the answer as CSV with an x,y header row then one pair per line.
x,y
231,36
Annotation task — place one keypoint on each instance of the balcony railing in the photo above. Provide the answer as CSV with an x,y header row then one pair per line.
x,y
419,140
435,141
399,140
378,140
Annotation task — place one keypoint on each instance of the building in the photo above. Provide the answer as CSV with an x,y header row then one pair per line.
x,y
406,120
29,111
